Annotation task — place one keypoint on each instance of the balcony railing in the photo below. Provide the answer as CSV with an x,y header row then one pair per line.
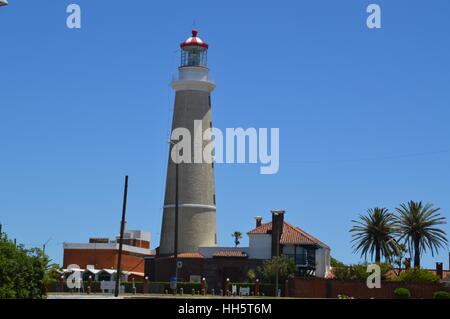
x,y
303,260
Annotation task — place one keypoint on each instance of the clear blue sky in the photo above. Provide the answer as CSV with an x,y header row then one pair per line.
x,y
363,114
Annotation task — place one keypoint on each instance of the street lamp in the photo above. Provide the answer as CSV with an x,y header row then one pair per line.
x,y
90,285
62,283
3,2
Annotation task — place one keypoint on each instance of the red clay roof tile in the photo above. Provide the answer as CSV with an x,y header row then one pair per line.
x,y
290,235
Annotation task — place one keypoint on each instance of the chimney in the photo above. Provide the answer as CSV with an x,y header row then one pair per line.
x,y
277,230
258,221
439,268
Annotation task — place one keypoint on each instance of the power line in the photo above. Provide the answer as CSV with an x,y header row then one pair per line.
x,y
370,158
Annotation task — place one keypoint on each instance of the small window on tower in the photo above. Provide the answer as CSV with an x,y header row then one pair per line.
x,y
210,124
214,199
209,100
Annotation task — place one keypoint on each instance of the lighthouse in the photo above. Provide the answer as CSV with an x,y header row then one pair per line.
x,y
189,211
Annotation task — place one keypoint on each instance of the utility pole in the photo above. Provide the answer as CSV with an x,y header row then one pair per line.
x,y
122,229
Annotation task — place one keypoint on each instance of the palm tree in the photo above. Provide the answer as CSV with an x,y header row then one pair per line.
x,y
237,235
374,234
416,226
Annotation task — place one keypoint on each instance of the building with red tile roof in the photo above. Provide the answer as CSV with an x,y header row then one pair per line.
x,y
217,264
290,235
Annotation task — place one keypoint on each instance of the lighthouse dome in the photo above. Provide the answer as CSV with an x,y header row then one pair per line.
x,y
194,41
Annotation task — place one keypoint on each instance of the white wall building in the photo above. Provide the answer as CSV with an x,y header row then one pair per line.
x,y
312,257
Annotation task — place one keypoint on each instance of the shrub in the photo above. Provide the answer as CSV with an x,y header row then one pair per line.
x,y
441,295
417,275
402,293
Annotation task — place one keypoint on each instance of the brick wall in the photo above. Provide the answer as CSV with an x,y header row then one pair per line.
x,y
215,270
135,242
331,288
103,259
308,288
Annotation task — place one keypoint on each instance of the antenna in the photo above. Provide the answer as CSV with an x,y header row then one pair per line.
x,y
45,245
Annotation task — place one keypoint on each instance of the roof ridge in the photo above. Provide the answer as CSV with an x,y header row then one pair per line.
x,y
262,225
265,227
307,235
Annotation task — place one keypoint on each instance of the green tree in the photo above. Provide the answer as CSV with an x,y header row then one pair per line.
x,y
374,234
417,226
286,268
398,261
237,235
359,271
417,275
53,273
336,263
22,271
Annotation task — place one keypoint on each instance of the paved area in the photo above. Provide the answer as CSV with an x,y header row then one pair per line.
x,y
140,296
68,296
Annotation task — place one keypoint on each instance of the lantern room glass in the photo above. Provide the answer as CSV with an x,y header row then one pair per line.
x,y
194,56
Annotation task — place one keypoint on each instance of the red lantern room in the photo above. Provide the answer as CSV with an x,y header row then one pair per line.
x,y
194,51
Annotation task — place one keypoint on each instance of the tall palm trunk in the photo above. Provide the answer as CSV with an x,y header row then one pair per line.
x,y
377,253
416,253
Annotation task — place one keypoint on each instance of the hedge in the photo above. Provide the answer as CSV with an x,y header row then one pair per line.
x,y
402,293
153,287
441,295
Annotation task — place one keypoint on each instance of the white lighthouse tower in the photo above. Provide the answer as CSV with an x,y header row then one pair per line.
x,y
196,216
